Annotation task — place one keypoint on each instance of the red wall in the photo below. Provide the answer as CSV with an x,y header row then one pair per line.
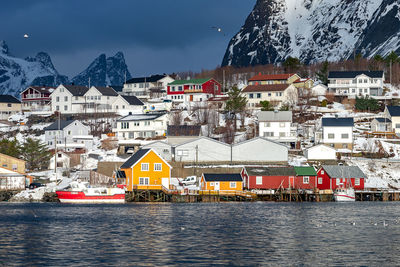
x,y
326,182
298,182
207,87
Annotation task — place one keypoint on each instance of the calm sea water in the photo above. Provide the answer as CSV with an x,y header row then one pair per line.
x,y
247,234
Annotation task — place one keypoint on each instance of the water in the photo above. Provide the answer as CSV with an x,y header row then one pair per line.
x,y
250,234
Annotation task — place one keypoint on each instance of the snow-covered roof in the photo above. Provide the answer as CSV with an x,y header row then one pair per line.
x,y
275,116
141,117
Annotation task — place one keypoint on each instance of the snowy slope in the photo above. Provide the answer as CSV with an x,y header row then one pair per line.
x,y
17,74
315,30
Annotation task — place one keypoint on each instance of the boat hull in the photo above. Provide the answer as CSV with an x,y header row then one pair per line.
x,y
80,197
341,198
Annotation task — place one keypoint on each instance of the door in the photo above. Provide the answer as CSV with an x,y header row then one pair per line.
x,y
216,186
165,182
191,98
291,182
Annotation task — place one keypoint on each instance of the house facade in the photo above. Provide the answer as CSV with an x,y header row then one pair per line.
x,y
261,79
202,149
127,103
356,83
268,178
338,132
141,125
146,170
277,126
63,161
12,163
260,150
11,180
276,94
193,90
37,98
381,125
68,135
147,87
393,113
69,99
320,152
222,182
9,105
335,176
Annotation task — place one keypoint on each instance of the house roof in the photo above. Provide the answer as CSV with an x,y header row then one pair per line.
x,y
76,90
394,111
269,77
275,116
42,89
271,171
117,88
141,117
192,81
9,99
266,88
383,120
183,130
135,158
222,177
54,125
305,171
337,122
107,91
132,100
336,171
353,74
148,79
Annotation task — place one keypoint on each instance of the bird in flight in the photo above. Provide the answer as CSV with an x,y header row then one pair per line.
x,y
26,35
218,29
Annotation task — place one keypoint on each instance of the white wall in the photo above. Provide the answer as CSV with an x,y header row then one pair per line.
x,y
162,148
259,150
337,131
320,152
207,151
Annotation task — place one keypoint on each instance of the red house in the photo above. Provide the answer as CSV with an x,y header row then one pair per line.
x,y
334,176
36,98
267,177
177,89
306,178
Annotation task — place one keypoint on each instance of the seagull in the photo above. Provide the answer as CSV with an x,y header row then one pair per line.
x,y
182,228
385,224
218,29
353,223
26,35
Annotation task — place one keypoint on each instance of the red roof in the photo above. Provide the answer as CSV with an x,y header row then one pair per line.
x,y
268,77
42,89
266,88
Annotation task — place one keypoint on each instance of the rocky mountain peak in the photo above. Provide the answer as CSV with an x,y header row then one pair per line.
x,y
3,48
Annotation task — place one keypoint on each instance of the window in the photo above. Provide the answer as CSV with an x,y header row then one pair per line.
x,y
353,90
57,108
124,125
65,98
259,180
366,90
268,134
280,94
212,184
319,180
251,96
76,98
61,89
57,99
99,97
182,152
331,136
357,181
282,134
365,80
136,123
344,146
143,180
345,136
276,94
65,107
146,123
157,167
337,181
282,124
180,88
306,179
9,105
269,94
14,167
69,132
397,125
233,184
267,124
259,95
145,167
322,172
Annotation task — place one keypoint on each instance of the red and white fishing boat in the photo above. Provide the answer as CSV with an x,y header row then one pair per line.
x,y
345,194
81,192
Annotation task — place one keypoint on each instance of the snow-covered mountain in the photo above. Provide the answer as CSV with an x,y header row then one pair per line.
x,y
17,74
315,30
104,71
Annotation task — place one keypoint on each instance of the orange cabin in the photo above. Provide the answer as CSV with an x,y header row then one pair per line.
x,y
221,182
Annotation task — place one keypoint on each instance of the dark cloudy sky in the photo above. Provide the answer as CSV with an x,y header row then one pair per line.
x,y
155,36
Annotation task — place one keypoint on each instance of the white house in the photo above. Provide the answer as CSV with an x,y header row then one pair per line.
x,y
259,149
356,83
141,125
277,126
153,86
320,152
63,161
99,99
11,180
203,149
69,135
127,103
164,149
338,132
393,113
276,94
381,125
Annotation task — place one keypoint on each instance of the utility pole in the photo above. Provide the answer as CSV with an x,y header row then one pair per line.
x,y
231,154
197,158
390,73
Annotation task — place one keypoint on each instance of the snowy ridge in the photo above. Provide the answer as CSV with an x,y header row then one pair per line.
x,y
315,30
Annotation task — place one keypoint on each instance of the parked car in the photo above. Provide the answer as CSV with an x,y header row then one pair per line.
x,y
35,185
190,180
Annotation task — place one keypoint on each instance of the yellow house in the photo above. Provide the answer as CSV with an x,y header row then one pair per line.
x,y
286,78
225,182
9,105
12,163
146,170
304,83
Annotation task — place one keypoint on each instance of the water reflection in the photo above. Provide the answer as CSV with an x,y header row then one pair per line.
x,y
37,234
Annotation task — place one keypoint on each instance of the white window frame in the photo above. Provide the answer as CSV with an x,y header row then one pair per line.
x,y
144,181
357,181
211,183
157,167
331,136
259,180
144,167
232,183
306,179
320,180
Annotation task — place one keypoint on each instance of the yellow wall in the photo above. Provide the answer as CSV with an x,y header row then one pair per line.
x,y
14,107
293,78
8,162
223,186
155,177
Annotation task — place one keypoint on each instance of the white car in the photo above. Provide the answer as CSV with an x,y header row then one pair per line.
x,y
190,180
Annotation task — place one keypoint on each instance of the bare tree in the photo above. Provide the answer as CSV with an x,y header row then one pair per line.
x,y
176,118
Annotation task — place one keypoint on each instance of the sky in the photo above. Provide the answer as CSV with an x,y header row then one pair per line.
x,y
156,36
